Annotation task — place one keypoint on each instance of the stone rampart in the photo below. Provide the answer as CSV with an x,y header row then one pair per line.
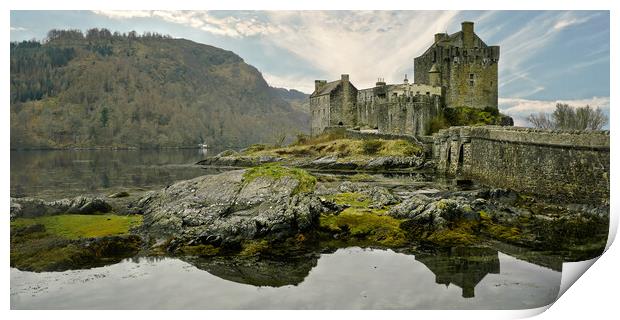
x,y
570,166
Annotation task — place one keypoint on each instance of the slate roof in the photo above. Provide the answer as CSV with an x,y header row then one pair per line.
x,y
327,88
453,40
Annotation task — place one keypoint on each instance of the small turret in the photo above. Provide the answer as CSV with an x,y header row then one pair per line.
x,y
406,80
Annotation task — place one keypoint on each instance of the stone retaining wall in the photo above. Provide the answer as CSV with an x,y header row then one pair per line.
x,y
571,166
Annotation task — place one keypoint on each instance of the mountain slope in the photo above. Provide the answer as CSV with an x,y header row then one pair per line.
x,y
113,90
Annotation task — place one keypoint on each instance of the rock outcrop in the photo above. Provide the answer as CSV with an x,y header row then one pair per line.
x,y
227,209
32,207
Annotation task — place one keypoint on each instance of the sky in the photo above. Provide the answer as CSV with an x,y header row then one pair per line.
x,y
546,56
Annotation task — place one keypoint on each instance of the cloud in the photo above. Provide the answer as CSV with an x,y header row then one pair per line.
x,y
356,42
372,44
230,26
18,29
520,109
302,83
569,22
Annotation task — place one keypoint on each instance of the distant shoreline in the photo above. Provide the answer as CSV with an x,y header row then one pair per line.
x,y
101,148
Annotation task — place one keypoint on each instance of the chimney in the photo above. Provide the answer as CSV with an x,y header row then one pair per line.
x,y
318,84
344,78
467,27
440,36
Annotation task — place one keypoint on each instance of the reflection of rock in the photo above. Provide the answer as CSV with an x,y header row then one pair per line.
x,y
464,267
257,271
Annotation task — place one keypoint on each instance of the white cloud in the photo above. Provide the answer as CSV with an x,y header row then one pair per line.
x,y
365,44
298,82
569,22
372,44
520,109
357,42
18,29
230,26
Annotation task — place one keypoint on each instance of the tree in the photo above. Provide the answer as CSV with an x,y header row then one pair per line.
x,y
567,117
541,120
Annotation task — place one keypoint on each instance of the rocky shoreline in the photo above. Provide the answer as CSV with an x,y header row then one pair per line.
x,y
379,163
273,210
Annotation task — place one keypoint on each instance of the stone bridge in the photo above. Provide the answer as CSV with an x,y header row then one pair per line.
x,y
571,166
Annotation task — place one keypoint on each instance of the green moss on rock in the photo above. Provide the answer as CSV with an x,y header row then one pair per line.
x,y
76,226
366,225
307,182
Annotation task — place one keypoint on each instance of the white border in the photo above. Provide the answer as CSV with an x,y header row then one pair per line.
x,y
591,297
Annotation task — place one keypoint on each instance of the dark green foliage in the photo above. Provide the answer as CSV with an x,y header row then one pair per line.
x,y
465,116
158,92
437,123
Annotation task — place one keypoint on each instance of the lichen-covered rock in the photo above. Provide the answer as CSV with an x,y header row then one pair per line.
x,y
380,197
32,207
226,209
434,213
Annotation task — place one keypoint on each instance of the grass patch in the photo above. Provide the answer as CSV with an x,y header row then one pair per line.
x,y
76,226
256,148
347,149
371,146
307,182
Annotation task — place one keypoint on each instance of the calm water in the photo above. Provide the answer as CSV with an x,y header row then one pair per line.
x,y
350,278
60,173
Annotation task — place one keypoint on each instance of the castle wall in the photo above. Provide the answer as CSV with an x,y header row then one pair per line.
x,y
407,114
473,81
320,108
564,165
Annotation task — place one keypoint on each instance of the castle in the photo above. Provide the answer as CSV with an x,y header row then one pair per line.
x,y
457,70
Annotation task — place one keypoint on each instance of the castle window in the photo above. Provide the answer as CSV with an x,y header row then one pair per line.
x,y
471,83
471,76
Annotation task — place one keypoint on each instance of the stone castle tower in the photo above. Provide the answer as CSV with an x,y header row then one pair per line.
x,y
464,66
457,70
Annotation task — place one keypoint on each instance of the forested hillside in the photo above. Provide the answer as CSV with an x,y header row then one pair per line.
x,y
103,89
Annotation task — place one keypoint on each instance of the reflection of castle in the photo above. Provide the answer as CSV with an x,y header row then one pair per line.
x,y
457,70
464,267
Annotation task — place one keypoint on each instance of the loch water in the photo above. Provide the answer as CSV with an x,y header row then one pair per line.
x,y
348,278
